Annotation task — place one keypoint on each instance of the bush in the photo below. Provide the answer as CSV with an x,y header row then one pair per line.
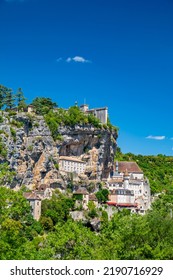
x,y
17,123
13,134
1,119
56,166
3,150
30,148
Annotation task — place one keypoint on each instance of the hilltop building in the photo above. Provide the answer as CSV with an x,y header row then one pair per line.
x,y
99,113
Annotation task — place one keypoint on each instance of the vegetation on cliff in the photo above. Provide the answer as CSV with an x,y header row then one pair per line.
x,y
9,100
56,236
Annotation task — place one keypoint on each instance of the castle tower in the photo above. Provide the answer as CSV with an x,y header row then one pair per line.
x,y
84,108
126,178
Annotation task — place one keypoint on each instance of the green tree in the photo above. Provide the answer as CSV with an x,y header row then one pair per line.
x,y
102,195
3,92
57,208
6,174
92,210
43,105
9,99
20,99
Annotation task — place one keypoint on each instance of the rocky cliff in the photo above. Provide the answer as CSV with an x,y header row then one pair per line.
x,y
34,155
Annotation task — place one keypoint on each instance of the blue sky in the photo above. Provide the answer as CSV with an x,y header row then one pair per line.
x,y
108,52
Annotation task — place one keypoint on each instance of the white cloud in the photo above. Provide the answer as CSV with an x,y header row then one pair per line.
x,y
68,59
155,137
59,59
78,59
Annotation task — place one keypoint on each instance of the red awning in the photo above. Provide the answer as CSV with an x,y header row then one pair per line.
x,y
122,204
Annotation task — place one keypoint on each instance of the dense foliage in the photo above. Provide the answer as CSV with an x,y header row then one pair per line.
x,y
9,100
53,115
57,236
43,105
158,169
71,117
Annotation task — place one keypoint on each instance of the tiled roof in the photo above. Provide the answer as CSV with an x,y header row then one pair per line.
x,y
81,191
31,196
92,197
71,159
115,180
129,166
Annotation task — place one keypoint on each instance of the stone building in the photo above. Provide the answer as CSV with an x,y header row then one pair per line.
x,y
82,198
30,109
35,203
44,191
122,198
99,113
71,164
128,176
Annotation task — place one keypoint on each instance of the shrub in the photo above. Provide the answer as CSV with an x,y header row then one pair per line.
x,y
56,166
30,148
36,124
1,119
13,134
17,123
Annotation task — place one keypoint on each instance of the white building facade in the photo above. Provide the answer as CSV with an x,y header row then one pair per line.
x,y
71,164
128,176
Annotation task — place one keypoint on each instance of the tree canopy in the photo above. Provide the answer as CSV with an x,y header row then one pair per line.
x,y
43,105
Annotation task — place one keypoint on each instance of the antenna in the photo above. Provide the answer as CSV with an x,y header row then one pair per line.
x,y
84,101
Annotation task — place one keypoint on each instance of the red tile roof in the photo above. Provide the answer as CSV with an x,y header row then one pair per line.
x,y
129,166
122,204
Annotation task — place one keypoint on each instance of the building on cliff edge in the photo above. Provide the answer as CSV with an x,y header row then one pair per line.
x,y
128,187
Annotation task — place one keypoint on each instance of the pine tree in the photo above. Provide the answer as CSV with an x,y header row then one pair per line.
x,y
20,99
3,91
9,99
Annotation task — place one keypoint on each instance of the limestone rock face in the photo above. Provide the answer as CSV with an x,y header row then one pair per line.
x,y
94,146
34,155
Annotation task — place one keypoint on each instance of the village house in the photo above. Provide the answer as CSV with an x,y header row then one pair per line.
x,y
44,191
35,203
82,198
71,164
122,198
128,176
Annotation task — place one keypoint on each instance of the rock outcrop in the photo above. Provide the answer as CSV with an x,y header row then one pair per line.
x,y
95,146
34,155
